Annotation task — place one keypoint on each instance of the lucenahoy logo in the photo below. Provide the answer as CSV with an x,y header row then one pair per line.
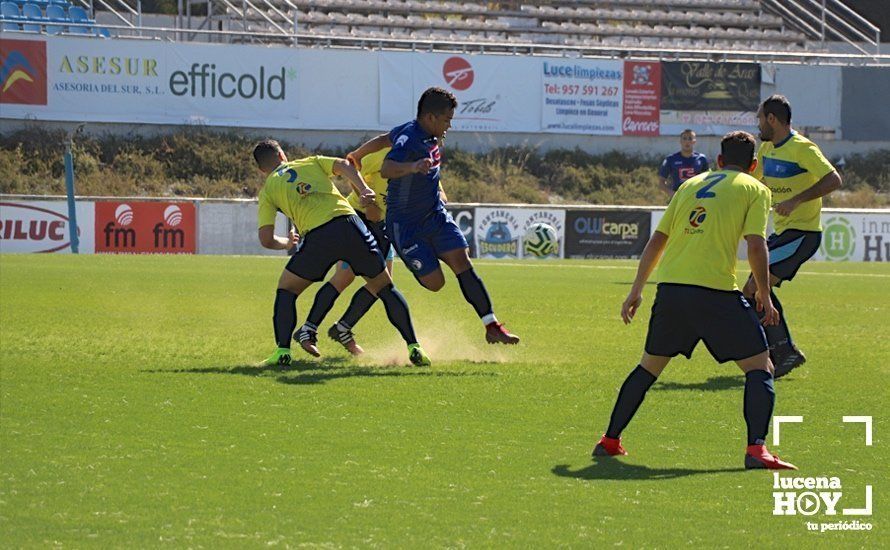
x,y
838,239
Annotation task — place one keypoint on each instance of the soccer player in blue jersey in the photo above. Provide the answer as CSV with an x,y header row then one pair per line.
x,y
798,176
682,165
417,224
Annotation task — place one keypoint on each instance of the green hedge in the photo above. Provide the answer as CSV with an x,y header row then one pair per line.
x,y
200,163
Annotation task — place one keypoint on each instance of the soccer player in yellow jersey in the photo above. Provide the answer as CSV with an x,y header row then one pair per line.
x,y
329,231
697,296
798,176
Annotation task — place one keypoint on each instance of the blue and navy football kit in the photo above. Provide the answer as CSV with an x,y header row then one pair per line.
x,y
417,223
678,168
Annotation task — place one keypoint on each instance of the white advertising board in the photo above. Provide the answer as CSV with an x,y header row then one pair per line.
x,y
43,226
499,232
582,96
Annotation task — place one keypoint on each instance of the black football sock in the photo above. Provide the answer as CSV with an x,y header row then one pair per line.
x,y
629,399
474,292
760,397
284,317
324,301
361,302
778,334
397,312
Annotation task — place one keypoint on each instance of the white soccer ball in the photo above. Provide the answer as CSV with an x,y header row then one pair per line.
x,y
540,240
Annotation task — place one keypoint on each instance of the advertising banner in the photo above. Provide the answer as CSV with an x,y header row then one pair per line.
x,y
500,232
463,217
43,226
710,98
606,233
493,93
855,237
582,96
145,227
642,98
58,78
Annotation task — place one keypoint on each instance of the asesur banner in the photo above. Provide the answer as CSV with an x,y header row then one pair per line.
x,y
58,78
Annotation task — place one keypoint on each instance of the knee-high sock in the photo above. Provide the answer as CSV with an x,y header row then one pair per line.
x,y
397,312
361,302
284,317
324,301
474,292
629,399
760,397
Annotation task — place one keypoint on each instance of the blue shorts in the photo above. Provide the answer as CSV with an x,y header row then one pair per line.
x,y
343,238
789,250
420,244
684,314
378,229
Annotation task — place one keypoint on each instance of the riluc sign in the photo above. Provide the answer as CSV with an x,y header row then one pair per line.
x,y
42,226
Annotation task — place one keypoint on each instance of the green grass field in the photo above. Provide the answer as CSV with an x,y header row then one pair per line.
x,y
131,414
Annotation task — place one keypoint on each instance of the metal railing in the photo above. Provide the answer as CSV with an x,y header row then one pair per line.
x,y
829,19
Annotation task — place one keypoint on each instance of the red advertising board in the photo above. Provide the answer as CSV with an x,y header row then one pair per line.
x,y
145,227
642,98
23,72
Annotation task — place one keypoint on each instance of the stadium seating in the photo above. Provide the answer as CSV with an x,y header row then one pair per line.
x,y
721,24
48,16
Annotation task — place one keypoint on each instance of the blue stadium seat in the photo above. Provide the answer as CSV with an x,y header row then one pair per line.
x,y
56,14
33,17
10,17
79,15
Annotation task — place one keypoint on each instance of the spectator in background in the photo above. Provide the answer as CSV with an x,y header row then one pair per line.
x,y
682,165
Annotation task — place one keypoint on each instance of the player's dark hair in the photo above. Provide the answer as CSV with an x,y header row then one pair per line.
x,y
737,149
436,101
266,153
778,106
687,131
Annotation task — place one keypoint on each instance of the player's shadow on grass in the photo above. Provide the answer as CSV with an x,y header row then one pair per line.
x,y
256,370
611,468
325,374
714,383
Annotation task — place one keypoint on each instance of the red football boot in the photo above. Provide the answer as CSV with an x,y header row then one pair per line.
x,y
758,458
609,446
496,333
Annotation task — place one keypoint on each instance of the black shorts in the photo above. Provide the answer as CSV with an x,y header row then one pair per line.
x,y
789,250
343,238
378,229
684,314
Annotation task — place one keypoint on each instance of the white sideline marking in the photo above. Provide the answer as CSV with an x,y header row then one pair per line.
x,y
633,267
777,421
864,420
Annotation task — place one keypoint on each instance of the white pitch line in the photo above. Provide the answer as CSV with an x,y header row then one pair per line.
x,y
633,267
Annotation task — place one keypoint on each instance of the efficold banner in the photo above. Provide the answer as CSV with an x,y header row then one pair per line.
x,y
582,96
495,94
44,226
76,79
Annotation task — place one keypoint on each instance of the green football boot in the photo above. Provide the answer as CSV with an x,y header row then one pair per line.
x,y
280,357
418,357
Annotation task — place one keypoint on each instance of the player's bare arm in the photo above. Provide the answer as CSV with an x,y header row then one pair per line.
x,y
758,257
648,261
371,146
344,168
828,184
373,212
394,170
268,238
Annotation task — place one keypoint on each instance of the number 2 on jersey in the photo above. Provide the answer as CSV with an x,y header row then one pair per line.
x,y
705,192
